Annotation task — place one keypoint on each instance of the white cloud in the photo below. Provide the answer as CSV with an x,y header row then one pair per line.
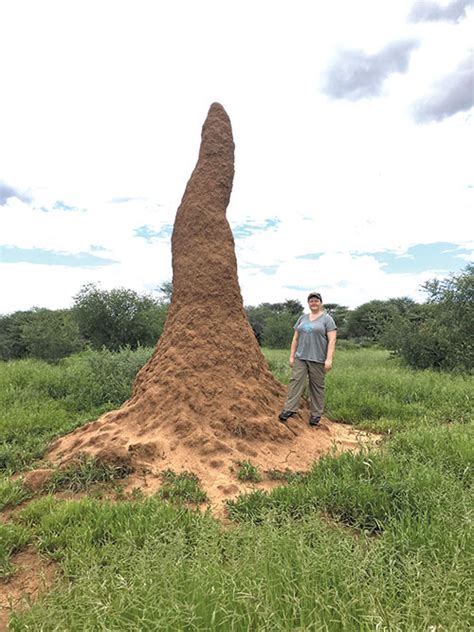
x,y
106,100
452,94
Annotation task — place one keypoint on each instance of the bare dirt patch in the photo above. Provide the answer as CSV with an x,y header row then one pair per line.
x,y
218,471
34,575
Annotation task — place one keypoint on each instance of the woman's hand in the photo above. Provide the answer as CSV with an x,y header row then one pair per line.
x,y
328,365
292,360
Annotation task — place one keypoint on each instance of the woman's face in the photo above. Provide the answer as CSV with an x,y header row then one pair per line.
x,y
314,303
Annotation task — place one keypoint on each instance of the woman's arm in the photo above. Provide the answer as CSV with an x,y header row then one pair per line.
x,y
294,344
332,335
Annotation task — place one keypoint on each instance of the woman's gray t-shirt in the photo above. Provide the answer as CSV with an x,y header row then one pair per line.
x,y
312,337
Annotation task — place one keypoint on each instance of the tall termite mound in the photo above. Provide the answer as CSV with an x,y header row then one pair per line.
x,y
207,382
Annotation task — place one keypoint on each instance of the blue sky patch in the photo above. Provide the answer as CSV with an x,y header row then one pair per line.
x,y
311,255
59,205
12,254
124,200
270,269
147,232
442,256
247,229
298,288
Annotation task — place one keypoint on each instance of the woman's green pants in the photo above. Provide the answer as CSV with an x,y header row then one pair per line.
x,y
316,374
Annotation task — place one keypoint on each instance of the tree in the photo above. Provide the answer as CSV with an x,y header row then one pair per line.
x,y
51,334
39,333
166,292
440,333
258,317
12,345
293,307
340,313
370,320
278,330
118,317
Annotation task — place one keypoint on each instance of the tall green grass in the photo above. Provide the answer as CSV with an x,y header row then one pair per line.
x,y
380,540
13,538
372,390
148,565
39,401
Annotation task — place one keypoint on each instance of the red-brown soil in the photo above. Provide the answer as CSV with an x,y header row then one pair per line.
x,y
34,574
206,399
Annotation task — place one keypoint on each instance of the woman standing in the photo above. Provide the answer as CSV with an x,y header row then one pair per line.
x,y
311,353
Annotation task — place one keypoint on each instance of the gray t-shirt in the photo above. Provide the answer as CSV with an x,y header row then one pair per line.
x,y
312,337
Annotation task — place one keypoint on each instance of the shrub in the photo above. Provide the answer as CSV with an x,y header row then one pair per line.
x,y
118,318
439,334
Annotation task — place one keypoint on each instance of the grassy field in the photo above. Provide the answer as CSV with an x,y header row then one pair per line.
x,y
375,541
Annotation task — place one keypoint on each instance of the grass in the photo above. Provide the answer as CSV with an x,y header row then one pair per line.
x,y
248,472
12,539
374,391
149,565
182,487
83,473
39,401
12,493
369,490
284,475
380,540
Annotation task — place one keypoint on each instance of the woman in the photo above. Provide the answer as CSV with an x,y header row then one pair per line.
x,y
311,353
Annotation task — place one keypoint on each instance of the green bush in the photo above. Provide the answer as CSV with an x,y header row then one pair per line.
x,y
278,330
39,333
272,323
118,318
439,334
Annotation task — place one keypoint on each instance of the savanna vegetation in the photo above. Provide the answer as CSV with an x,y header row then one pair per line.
x,y
436,334
380,540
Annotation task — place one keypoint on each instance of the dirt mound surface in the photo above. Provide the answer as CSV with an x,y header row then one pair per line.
x,y
206,398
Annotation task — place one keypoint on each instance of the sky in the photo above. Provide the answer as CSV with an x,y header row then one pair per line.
x,y
353,126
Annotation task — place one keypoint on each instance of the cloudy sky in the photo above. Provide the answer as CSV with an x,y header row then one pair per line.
x,y
353,131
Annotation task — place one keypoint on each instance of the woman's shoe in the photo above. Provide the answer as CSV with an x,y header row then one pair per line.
x,y
286,414
314,420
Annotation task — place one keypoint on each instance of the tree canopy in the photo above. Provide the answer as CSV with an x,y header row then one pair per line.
x,y
117,318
